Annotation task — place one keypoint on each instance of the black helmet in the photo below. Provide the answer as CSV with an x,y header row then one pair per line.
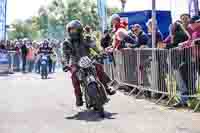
x,y
75,24
45,43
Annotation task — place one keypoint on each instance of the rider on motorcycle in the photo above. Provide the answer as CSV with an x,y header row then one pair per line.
x,y
75,47
47,50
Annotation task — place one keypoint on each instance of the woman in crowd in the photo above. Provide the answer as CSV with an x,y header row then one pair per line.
x,y
159,37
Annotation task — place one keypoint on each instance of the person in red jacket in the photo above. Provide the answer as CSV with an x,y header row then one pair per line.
x,y
121,39
119,30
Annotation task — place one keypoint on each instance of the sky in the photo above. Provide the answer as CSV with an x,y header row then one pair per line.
x,y
22,9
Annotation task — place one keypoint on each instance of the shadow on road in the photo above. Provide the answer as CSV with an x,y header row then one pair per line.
x,y
4,75
90,116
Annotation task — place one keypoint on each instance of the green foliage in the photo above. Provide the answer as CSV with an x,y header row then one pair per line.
x,y
52,19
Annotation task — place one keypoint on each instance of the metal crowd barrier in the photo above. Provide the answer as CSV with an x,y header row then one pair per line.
x,y
4,62
172,73
7,61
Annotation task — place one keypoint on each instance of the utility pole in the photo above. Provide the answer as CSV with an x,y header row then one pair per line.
x,y
123,2
153,23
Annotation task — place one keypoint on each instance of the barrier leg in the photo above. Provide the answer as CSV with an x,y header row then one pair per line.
x,y
141,91
168,102
197,107
163,95
132,91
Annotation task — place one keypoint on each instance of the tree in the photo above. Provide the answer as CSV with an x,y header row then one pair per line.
x,y
22,30
52,19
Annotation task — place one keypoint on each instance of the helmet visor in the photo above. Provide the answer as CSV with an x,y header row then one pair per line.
x,y
73,30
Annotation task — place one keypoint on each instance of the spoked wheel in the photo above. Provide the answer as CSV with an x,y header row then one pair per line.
x,y
102,92
96,99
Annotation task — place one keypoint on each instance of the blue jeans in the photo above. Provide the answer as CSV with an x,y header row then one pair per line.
x,y
182,87
53,66
30,65
17,61
186,80
23,63
37,66
9,60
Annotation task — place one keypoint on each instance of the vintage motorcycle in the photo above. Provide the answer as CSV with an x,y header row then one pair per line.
x,y
94,92
44,66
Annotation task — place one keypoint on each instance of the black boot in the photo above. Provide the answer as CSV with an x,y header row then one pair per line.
x,y
79,101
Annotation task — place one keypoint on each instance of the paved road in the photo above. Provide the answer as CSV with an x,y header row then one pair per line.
x,y
31,105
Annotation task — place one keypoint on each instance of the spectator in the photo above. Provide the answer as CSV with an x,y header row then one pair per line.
x,y
178,35
131,33
185,21
17,56
8,48
30,56
58,52
179,32
142,38
119,30
106,40
186,68
54,61
24,52
2,45
195,26
160,70
37,59
159,37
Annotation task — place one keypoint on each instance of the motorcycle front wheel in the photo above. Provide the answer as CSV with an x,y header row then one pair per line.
x,y
96,99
